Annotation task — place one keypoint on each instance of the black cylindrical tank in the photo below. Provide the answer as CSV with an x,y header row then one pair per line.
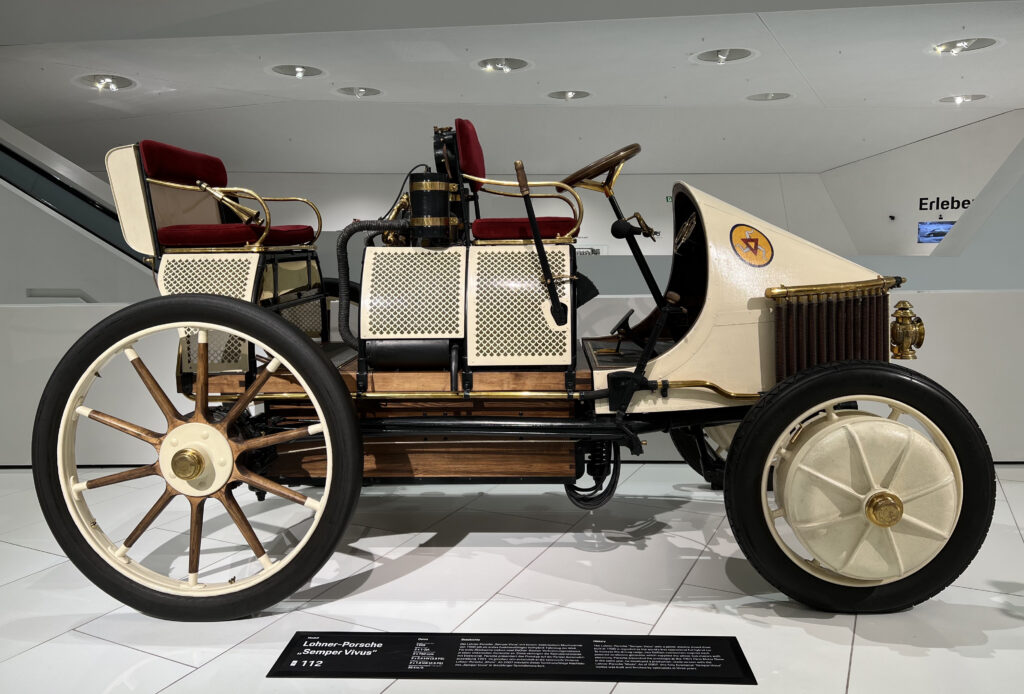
x,y
430,220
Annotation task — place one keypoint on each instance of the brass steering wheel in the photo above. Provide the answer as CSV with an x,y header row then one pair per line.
x,y
607,164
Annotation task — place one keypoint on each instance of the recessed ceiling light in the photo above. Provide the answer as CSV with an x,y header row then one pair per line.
x,y
721,56
768,96
961,98
569,95
106,83
958,46
359,92
504,65
297,71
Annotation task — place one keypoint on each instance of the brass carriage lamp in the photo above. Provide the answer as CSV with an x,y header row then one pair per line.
x,y
906,332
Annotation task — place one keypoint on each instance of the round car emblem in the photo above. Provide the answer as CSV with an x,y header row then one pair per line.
x,y
751,245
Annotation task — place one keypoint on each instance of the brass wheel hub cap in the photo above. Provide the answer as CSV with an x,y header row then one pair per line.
x,y
188,464
884,509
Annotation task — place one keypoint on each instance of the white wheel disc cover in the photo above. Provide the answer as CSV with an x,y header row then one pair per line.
x,y
837,465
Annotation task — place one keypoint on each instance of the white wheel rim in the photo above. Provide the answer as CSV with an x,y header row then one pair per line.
x,y
115,553
862,499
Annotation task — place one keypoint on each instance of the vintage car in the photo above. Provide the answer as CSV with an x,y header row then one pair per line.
x,y
852,485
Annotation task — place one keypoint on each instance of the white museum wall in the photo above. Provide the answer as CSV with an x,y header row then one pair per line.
x,y
985,249
43,251
956,164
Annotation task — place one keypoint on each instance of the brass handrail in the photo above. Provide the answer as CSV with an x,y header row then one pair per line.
x,y
245,213
577,210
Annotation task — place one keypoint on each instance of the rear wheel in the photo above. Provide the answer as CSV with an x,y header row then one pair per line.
x,y
876,507
177,555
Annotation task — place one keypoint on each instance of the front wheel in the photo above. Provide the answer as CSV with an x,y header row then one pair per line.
x,y
181,533
883,487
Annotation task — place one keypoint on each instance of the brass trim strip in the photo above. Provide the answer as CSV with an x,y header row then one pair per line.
x,y
881,283
673,385
487,394
435,222
419,395
435,186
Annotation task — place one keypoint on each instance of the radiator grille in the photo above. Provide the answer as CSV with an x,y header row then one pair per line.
x,y
824,327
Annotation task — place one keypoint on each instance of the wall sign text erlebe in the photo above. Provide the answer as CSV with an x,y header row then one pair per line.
x,y
950,203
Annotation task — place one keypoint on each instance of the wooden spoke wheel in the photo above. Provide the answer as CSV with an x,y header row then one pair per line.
x,y
111,400
859,487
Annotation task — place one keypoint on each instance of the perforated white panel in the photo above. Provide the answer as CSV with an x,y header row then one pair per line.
x,y
226,274
509,323
413,293
305,316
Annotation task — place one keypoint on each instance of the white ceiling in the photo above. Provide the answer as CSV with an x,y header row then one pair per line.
x,y
862,78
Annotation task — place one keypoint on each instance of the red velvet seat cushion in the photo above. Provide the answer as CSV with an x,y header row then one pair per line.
x,y
204,235
508,228
176,165
471,156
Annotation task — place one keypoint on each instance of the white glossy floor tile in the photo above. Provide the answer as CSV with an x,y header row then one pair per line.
x,y
999,565
674,485
1013,473
723,567
427,490
1014,494
244,667
442,576
504,613
188,643
790,648
15,480
624,560
18,562
409,513
498,687
39,607
19,509
545,501
960,641
86,665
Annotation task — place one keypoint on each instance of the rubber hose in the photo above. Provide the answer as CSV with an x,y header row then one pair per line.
x,y
372,227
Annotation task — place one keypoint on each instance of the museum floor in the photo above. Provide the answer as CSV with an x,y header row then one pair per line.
x,y
659,559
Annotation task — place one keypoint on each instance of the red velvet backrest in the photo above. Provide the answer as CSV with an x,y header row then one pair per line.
x,y
471,156
176,165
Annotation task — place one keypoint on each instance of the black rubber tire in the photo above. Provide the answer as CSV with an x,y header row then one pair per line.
x,y
767,420
280,336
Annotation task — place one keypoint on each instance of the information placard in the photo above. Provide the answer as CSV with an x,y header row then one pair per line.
x,y
693,659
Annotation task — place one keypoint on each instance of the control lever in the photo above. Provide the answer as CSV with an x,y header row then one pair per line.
x,y
621,330
623,325
559,311
622,228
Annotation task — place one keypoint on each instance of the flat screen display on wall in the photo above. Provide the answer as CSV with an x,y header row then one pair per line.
x,y
932,232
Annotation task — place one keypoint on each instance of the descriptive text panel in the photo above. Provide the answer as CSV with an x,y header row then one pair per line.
x,y
693,659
